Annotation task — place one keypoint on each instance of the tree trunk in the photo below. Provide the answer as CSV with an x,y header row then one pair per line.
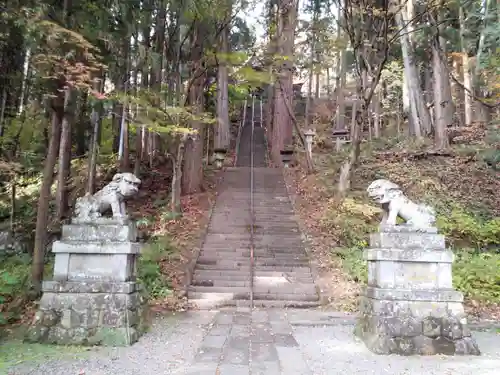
x,y
458,92
340,81
310,81
221,139
466,67
272,48
282,123
192,175
175,199
81,125
442,91
123,149
419,114
64,172
42,215
377,115
349,165
95,120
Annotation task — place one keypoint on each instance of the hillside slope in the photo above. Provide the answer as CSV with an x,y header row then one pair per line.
x,y
463,188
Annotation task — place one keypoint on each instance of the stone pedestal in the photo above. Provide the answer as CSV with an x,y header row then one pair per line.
x,y
93,298
409,305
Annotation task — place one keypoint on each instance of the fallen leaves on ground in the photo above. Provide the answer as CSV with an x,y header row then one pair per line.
x,y
337,291
186,230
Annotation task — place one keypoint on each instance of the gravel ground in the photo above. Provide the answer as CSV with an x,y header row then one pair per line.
x,y
335,351
265,342
167,348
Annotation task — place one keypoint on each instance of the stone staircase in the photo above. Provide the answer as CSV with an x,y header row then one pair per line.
x,y
280,275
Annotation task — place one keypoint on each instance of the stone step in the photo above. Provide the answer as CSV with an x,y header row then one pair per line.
x,y
229,298
244,280
221,283
258,252
232,238
297,269
210,259
199,276
228,245
237,293
206,304
280,263
237,274
280,250
223,263
301,291
220,268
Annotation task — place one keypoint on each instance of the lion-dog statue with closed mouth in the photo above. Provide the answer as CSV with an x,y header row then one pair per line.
x,y
112,196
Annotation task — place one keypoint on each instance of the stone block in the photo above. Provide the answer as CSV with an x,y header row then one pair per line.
x,y
103,232
413,335
436,295
101,221
409,268
409,306
102,267
97,260
105,317
409,255
407,240
96,247
112,267
54,286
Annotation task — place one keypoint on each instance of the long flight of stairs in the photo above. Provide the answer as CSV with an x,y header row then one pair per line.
x,y
280,275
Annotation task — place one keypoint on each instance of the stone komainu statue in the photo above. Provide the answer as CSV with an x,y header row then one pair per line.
x,y
395,203
112,196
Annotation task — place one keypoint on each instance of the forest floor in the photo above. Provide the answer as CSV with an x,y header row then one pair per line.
x,y
457,182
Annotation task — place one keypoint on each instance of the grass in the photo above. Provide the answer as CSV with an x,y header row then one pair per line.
x,y
14,352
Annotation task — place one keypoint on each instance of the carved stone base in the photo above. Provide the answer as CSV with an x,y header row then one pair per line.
x,y
93,298
414,327
89,313
97,252
410,306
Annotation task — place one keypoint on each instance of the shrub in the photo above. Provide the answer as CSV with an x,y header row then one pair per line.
x,y
477,275
353,263
14,276
463,229
149,269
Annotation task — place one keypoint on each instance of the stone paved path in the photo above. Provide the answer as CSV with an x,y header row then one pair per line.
x,y
263,342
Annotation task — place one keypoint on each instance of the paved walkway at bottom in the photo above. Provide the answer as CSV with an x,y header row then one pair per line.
x,y
262,342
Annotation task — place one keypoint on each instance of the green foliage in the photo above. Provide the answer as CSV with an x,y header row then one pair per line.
x,y
463,228
477,275
353,263
149,267
351,221
392,77
14,276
